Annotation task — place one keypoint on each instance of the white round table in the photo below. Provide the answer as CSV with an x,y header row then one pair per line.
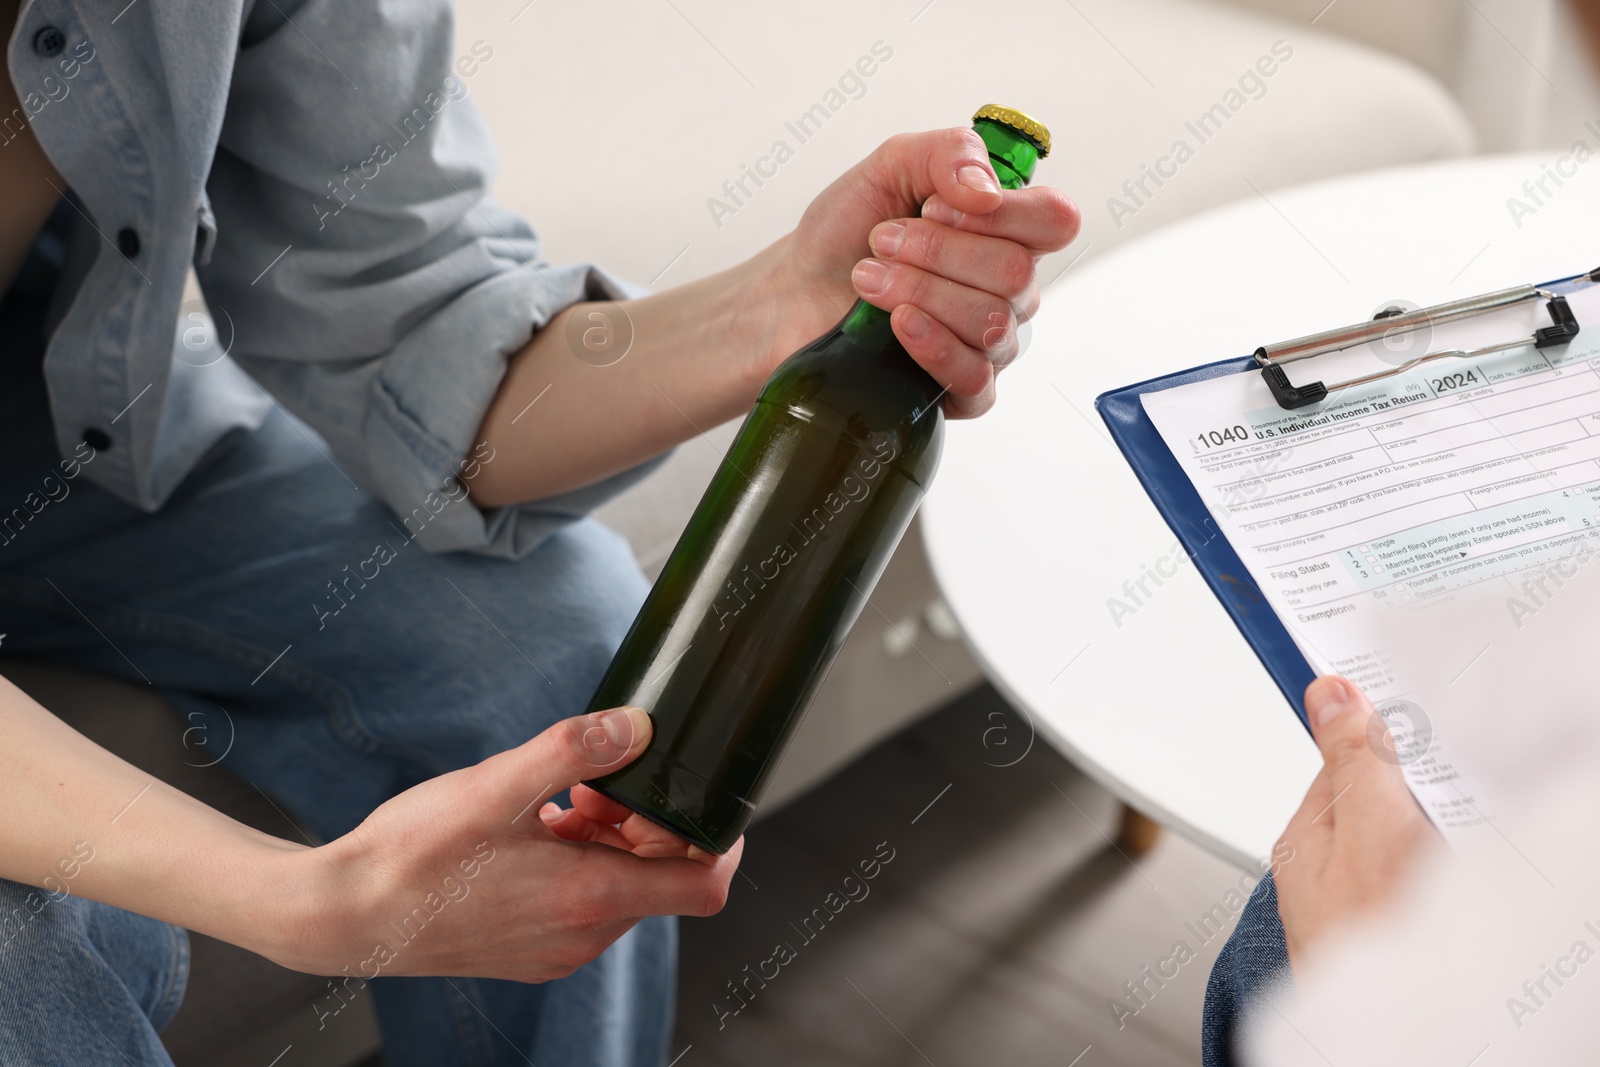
x,y
1035,521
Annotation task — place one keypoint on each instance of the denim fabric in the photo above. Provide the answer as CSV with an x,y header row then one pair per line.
x,y
83,982
242,601
322,164
1254,958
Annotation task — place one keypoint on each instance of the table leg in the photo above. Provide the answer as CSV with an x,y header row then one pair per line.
x,y
1138,833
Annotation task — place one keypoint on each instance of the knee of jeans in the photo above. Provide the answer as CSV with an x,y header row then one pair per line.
x,y
586,610
174,981
151,957
85,944
525,642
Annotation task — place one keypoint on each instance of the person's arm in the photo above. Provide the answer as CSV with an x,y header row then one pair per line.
x,y
1359,832
416,325
508,886
958,281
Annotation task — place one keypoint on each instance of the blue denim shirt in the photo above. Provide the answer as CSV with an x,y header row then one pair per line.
x,y
322,165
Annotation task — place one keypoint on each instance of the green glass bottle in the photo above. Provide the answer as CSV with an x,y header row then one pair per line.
x,y
780,557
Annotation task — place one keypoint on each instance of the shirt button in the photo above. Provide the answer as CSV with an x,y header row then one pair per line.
x,y
97,439
128,241
49,42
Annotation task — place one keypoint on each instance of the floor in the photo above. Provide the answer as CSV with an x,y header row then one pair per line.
x,y
999,919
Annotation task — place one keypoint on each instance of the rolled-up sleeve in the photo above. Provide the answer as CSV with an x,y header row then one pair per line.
x,y
374,287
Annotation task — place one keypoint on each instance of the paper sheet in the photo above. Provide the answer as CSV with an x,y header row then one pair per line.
x,y
1459,479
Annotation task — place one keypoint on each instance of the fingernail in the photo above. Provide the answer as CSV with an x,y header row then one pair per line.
x,y
550,813
887,239
619,727
913,322
1328,699
977,178
935,210
870,276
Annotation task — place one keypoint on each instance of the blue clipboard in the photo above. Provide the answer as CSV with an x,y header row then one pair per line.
x,y
1180,505
1176,498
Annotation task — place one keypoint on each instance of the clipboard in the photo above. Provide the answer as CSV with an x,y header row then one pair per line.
x,y
1180,504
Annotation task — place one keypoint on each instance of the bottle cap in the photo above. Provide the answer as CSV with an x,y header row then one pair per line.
x,y
1030,128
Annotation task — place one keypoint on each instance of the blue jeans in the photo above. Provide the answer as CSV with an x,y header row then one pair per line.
x,y
225,601
1253,958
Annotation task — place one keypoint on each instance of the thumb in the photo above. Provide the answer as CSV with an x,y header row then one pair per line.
x,y
586,746
1341,720
954,163
958,166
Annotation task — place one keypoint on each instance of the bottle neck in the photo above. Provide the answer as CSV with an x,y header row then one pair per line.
x,y
1013,157
866,324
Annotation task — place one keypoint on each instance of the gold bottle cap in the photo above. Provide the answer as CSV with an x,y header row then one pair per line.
x,y
1031,128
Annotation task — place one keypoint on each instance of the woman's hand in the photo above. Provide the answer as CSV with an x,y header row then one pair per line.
x,y
1358,832
957,275
474,873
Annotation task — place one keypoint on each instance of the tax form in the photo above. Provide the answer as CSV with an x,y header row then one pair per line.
x,y
1459,478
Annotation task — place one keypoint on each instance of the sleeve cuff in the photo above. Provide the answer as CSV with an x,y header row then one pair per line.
x,y
430,398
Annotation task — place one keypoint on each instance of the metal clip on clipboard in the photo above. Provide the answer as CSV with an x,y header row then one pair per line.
x,y
1271,358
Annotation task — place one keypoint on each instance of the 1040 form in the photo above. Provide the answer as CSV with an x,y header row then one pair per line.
x,y
1412,488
